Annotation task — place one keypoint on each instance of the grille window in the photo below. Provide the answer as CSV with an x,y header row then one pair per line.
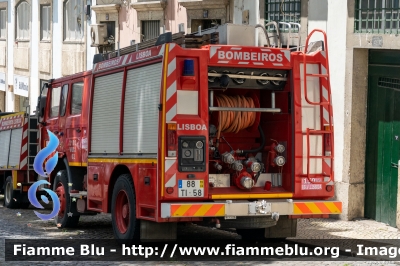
x,y
391,83
282,11
377,16
150,29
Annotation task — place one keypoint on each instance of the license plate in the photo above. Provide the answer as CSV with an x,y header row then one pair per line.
x,y
191,188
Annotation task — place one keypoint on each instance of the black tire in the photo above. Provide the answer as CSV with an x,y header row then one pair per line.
x,y
24,205
10,195
252,234
125,225
60,187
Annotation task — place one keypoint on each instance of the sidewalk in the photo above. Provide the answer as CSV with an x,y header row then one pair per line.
x,y
349,235
337,229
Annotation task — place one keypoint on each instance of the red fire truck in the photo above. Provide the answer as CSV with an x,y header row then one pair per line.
x,y
227,135
18,147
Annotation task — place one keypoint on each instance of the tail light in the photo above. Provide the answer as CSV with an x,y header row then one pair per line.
x,y
171,140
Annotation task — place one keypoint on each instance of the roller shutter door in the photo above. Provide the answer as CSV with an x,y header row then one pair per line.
x,y
15,147
4,147
106,114
142,98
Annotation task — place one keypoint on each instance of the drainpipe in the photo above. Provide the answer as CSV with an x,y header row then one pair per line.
x,y
118,31
228,11
164,6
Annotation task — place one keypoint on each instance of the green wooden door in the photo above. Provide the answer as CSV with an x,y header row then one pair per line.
x,y
383,138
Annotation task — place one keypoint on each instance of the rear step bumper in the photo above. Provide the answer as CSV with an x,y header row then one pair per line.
x,y
231,208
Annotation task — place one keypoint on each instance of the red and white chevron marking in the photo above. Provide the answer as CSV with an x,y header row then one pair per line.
x,y
11,121
170,172
170,111
24,144
171,96
326,115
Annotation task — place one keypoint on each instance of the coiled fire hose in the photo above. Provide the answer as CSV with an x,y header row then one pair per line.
x,y
230,121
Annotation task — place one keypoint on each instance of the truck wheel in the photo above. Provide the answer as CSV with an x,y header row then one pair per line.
x,y
10,195
60,187
123,211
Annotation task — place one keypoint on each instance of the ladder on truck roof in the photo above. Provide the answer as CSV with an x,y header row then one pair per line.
x,y
196,40
291,26
187,41
33,141
326,109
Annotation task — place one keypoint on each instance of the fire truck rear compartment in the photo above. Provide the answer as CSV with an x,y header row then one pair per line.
x,y
249,149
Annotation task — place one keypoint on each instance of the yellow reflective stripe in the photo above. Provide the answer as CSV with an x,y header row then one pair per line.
x,y
111,160
181,210
221,212
14,179
332,207
313,208
252,196
296,209
163,119
16,114
203,209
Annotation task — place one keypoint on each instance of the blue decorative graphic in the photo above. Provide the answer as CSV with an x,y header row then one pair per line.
x,y
35,202
44,153
38,167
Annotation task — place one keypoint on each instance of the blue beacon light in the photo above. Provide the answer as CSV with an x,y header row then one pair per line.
x,y
188,67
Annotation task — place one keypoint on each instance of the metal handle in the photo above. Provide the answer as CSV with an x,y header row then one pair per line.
x,y
395,165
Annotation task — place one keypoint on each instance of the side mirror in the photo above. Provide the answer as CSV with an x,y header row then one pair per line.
x,y
41,105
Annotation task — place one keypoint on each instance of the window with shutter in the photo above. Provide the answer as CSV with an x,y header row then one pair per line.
x,y
73,20
23,20
3,24
45,22
150,29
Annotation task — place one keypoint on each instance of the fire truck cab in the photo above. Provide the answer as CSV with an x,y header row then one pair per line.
x,y
227,135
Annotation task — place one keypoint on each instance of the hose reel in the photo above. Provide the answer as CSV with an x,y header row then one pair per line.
x,y
235,121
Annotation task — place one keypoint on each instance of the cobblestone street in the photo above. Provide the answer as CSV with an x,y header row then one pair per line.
x,y
23,224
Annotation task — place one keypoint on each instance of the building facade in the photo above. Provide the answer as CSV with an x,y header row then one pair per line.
x,y
364,52
130,22
366,76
